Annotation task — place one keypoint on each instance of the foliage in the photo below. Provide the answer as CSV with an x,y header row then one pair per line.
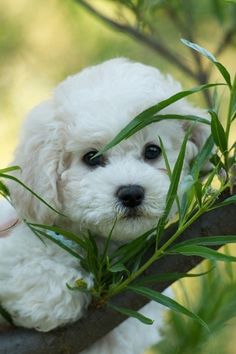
x,y
183,336
120,270
144,21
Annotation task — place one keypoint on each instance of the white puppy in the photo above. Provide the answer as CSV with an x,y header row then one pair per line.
x,y
129,182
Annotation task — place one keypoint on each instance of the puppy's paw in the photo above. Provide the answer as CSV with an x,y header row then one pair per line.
x,y
33,283
43,300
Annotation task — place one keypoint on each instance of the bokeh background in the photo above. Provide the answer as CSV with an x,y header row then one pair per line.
x,y
41,42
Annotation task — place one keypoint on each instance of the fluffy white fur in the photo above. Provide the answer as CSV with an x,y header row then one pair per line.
x,y
84,113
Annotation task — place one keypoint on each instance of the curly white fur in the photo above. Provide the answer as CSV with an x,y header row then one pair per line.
x,y
84,113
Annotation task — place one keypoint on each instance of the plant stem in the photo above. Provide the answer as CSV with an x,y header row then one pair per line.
x,y
158,254
227,130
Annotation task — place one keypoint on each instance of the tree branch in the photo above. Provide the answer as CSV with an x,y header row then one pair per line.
x,y
226,40
150,41
78,336
201,74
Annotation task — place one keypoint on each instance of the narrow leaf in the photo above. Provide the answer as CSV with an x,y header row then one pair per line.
x,y
174,183
199,49
149,116
10,169
202,157
131,313
58,242
166,301
218,133
207,241
130,249
6,315
232,108
165,277
108,240
30,190
224,72
228,201
204,252
67,234
4,189
175,177
119,267
198,192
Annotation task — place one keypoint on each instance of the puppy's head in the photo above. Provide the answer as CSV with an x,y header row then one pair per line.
x,y
128,183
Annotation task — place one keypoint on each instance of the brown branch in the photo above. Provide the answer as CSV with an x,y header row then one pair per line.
x,y
225,41
201,74
150,41
76,337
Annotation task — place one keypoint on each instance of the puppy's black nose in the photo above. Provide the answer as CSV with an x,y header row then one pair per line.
x,y
131,196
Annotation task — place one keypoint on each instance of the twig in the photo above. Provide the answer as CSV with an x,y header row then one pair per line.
x,y
225,41
202,75
148,40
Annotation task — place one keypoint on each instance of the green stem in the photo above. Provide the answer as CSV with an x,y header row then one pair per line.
x,y
227,130
158,254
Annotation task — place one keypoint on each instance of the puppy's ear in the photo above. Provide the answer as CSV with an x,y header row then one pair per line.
x,y
38,155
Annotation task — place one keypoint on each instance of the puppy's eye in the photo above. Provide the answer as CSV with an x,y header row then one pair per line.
x,y
93,162
152,152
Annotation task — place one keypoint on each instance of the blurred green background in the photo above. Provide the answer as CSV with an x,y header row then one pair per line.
x,y
41,42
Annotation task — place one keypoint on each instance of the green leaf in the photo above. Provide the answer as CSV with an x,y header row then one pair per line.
x,y
186,202
4,189
30,190
131,313
150,116
174,183
54,239
208,241
224,72
118,267
202,157
166,301
10,169
228,201
218,133
208,182
199,49
82,288
92,243
132,248
198,192
232,108
67,234
167,165
165,277
6,315
91,257
216,161
200,251
108,240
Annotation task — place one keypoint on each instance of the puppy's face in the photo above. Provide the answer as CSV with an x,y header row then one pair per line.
x,y
129,183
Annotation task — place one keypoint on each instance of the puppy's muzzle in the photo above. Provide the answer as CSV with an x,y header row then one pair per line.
x,y
130,196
